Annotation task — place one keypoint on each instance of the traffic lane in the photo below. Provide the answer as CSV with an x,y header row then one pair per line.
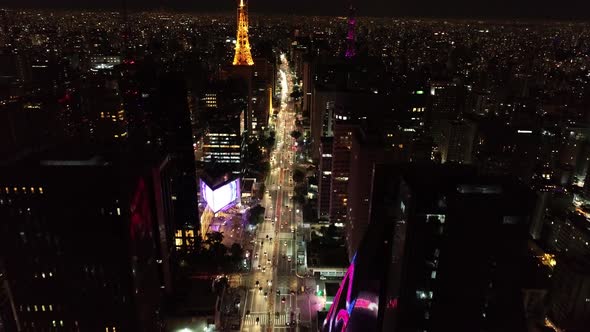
x,y
287,256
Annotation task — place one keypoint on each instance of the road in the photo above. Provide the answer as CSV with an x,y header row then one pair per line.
x,y
272,300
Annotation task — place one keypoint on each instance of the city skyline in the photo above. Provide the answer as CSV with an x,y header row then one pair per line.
x,y
505,9
188,166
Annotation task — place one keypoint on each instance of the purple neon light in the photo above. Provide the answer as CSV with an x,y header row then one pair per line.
x,y
221,197
343,317
366,304
347,280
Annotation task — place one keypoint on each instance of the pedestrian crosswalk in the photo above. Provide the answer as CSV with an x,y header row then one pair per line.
x,y
263,319
260,318
281,319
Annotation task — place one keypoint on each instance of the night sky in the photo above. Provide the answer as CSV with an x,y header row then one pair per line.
x,y
557,9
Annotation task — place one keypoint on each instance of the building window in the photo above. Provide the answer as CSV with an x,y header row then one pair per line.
x,y
178,242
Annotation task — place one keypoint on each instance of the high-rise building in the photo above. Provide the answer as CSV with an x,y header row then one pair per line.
x,y
222,141
570,296
263,76
370,146
102,105
255,84
339,85
457,141
96,232
569,233
444,107
341,147
444,98
325,176
501,149
440,254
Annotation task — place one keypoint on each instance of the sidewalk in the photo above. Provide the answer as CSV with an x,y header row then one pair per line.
x,y
232,307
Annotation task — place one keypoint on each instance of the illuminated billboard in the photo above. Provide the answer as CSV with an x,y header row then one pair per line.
x,y
221,197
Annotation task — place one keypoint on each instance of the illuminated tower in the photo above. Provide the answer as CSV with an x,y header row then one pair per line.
x,y
243,56
351,36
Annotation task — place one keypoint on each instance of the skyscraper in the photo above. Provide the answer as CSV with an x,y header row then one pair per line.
x,y
441,254
222,141
325,182
570,306
96,234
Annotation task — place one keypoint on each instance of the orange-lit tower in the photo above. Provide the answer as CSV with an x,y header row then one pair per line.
x,y
243,56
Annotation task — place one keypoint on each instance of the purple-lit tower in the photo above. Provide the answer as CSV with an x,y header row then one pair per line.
x,y
351,36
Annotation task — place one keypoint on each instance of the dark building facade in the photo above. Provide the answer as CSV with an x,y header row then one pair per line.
x,y
570,296
454,244
325,178
8,318
86,241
